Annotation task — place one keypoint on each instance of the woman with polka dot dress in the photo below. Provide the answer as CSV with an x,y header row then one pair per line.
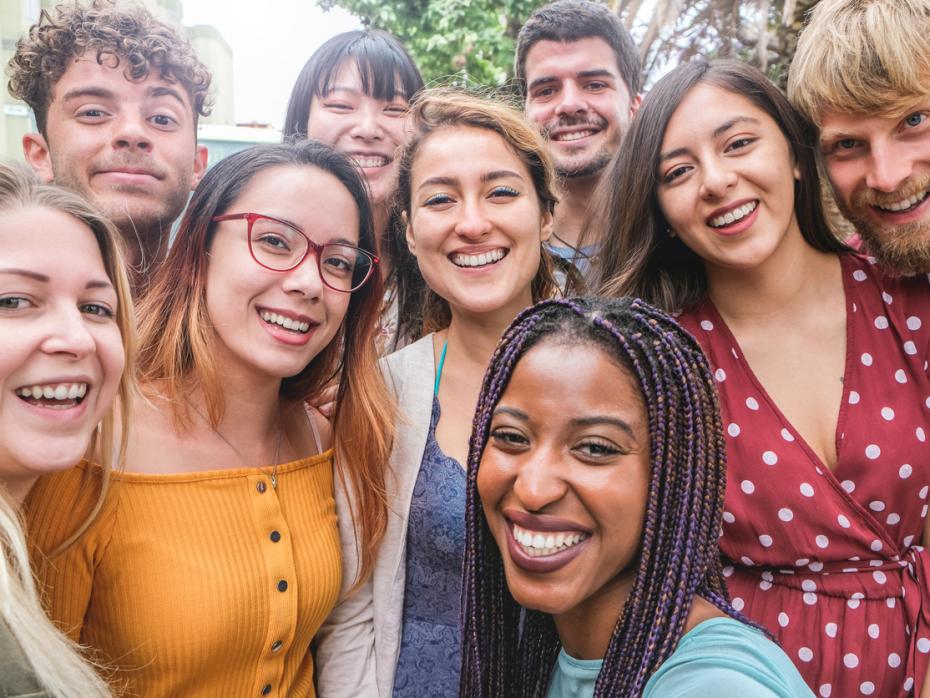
x,y
821,365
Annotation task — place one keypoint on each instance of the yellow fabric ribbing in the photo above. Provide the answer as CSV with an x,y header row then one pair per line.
x,y
187,583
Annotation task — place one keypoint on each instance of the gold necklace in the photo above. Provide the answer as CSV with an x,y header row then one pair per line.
x,y
277,446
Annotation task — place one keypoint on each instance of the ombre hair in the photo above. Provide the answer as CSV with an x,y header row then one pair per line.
x,y
439,109
509,651
55,660
178,340
869,57
639,258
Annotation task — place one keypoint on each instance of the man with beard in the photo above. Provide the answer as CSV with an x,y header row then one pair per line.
x,y
116,96
579,72
862,75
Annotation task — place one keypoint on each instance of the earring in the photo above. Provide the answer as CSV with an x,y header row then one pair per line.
x,y
670,233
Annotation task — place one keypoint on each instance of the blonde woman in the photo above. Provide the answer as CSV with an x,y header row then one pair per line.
x,y
65,329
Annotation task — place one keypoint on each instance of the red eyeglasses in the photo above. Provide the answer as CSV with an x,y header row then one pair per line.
x,y
280,246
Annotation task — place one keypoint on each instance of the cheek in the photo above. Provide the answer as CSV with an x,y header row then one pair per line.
x,y
492,482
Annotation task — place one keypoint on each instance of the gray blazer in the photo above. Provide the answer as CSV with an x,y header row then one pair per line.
x,y
358,645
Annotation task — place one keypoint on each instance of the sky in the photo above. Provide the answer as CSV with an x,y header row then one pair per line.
x,y
271,41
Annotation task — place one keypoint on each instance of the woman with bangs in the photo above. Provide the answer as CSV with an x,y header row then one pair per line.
x,y
216,556
353,94
820,361
476,191
67,332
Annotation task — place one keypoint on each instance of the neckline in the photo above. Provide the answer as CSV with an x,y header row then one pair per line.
x,y
840,423
219,474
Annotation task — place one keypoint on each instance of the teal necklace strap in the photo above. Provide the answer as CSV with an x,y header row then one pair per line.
x,y
442,361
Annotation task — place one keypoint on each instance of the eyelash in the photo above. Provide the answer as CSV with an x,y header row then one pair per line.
x,y
505,191
7,299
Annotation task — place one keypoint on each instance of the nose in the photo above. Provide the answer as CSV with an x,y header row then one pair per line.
x,y
717,179
891,166
539,482
305,279
69,335
473,223
571,100
130,132
367,124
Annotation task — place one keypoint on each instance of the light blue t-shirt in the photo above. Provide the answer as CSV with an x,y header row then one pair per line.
x,y
720,657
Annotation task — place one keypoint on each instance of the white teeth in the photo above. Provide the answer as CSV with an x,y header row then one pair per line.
x,y
536,544
574,135
906,203
285,322
370,160
734,215
478,260
55,391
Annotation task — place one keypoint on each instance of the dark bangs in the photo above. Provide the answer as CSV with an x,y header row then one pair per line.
x,y
385,68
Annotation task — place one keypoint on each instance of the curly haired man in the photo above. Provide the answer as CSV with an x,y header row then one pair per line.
x,y
116,95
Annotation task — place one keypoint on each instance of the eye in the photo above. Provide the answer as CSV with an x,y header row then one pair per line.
x,y
915,119
506,192
339,259
544,92
396,109
91,114
98,309
163,120
739,143
438,200
596,85
675,173
273,242
13,302
338,106
508,439
598,449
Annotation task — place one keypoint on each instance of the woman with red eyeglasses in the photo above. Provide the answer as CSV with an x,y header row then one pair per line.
x,y
216,556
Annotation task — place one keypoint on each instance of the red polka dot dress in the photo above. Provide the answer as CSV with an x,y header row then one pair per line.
x,y
830,561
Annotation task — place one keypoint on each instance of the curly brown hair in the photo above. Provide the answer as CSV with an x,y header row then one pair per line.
x,y
115,31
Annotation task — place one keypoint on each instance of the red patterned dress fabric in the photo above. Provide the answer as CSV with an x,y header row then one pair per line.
x,y
831,561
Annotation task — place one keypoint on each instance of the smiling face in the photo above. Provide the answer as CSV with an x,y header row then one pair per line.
x,y
475,223
369,130
61,353
880,170
726,180
271,324
576,95
564,479
129,147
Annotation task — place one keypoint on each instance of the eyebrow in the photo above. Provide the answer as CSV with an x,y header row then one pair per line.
x,y
593,420
354,90
717,132
593,73
42,278
90,91
486,177
163,91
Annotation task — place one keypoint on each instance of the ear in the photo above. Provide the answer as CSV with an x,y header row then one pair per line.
x,y
797,173
200,165
36,153
635,104
408,233
545,228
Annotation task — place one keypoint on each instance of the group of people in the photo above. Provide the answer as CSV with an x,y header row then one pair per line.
x,y
446,396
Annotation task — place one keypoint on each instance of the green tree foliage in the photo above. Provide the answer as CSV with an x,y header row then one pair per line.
x,y
472,41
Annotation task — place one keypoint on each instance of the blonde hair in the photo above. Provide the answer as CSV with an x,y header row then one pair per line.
x,y
56,661
862,57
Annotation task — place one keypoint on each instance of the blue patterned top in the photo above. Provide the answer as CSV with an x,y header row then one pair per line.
x,y
430,647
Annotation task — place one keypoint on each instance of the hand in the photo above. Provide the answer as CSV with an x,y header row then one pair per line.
x,y
325,401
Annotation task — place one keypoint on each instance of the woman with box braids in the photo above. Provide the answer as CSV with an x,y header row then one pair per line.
x,y
669,582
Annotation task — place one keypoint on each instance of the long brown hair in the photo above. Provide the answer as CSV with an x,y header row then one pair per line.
x,y
177,337
639,258
440,108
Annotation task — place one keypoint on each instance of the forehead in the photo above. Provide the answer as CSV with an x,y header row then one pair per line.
x,y
305,195
561,59
837,124
464,151
85,73
53,238
347,76
706,108
575,381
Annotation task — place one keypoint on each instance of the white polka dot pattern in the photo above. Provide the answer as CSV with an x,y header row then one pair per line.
x,y
829,548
